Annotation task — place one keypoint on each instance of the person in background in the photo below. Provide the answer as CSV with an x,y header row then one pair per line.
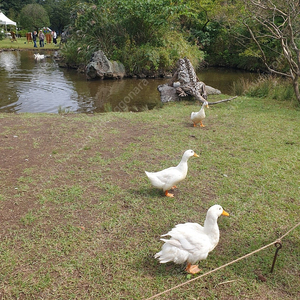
x,y
13,36
54,37
41,38
34,35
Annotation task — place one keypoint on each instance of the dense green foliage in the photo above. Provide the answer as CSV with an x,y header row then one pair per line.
x,y
33,17
152,35
143,35
149,36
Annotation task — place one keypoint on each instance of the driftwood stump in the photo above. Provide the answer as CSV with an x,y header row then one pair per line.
x,y
185,83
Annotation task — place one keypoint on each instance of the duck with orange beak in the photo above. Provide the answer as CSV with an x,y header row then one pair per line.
x,y
199,116
191,242
168,178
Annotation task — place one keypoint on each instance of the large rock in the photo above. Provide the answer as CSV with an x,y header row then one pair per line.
x,y
212,91
102,68
167,93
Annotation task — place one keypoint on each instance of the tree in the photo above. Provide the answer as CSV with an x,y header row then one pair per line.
x,y
59,12
14,5
34,16
274,27
144,35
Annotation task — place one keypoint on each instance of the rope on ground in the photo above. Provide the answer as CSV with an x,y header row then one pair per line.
x,y
223,266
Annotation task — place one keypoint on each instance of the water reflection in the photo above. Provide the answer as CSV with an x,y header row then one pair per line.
x,y
9,61
30,86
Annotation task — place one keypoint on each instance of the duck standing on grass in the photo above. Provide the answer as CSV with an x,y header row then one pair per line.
x,y
198,117
190,242
168,178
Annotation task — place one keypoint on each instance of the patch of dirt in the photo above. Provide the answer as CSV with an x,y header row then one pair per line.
x,y
35,150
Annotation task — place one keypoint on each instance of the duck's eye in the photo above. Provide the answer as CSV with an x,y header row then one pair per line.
x,y
220,208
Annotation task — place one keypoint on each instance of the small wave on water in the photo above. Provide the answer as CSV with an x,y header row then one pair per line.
x,y
33,86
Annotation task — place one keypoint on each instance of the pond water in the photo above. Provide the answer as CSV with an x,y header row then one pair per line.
x,y
27,85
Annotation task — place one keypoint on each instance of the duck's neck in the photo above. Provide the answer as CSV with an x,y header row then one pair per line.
x,y
202,107
211,227
183,166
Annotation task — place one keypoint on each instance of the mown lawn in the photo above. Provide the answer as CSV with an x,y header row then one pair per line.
x,y
80,220
21,43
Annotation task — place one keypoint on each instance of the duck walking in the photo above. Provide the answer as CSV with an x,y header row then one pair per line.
x,y
168,178
191,242
199,116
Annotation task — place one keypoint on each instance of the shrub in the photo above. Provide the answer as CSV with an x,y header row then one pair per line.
x,y
22,33
272,87
240,86
74,54
148,58
144,41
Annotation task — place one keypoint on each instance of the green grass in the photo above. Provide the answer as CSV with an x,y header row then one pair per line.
x,y
266,86
80,220
22,43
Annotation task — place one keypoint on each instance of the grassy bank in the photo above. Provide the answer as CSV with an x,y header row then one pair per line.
x,y
21,44
80,220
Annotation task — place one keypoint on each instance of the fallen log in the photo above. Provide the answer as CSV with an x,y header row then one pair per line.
x,y
220,101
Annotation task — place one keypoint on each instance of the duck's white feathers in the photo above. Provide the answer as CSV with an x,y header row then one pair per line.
x,y
169,177
190,242
198,116
38,56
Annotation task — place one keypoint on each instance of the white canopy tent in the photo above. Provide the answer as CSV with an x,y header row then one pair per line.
x,y
6,21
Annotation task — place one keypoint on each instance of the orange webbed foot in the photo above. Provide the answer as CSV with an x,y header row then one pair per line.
x,y
168,194
192,269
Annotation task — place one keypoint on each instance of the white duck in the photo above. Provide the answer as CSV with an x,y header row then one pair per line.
x,y
168,178
198,117
38,56
190,242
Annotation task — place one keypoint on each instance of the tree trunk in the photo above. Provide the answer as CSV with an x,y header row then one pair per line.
x,y
296,88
